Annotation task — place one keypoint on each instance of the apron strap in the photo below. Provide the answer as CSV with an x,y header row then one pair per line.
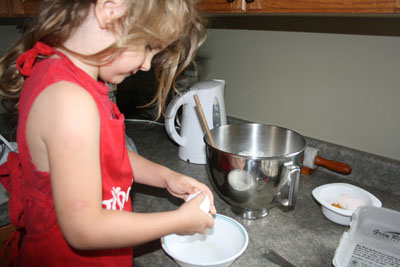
x,y
12,178
26,60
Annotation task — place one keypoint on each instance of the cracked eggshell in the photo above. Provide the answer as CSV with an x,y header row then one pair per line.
x,y
205,204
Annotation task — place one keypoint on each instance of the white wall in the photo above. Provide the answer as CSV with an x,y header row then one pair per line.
x,y
339,88
9,34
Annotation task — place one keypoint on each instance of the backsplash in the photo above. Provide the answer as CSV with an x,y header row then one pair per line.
x,y
369,169
340,88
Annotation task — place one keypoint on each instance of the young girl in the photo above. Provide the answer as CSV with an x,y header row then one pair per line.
x,y
69,185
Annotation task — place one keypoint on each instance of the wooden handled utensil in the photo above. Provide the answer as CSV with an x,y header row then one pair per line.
x,y
312,160
203,119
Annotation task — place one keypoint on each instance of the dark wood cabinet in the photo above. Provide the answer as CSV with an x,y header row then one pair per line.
x,y
225,6
22,8
5,233
17,8
5,9
300,6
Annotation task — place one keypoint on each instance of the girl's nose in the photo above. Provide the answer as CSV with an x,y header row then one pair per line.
x,y
146,65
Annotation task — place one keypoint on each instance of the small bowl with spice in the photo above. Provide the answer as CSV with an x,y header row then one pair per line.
x,y
339,201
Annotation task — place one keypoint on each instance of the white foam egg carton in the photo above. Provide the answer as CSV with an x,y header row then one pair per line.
x,y
373,239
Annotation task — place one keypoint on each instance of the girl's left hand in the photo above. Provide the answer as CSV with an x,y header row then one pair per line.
x,y
182,186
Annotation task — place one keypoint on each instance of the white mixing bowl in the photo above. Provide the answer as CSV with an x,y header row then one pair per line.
x,y
220,246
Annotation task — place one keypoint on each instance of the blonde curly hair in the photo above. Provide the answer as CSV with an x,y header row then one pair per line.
x,y
144,20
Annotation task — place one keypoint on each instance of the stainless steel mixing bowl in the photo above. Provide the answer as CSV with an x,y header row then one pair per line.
x,y
255,166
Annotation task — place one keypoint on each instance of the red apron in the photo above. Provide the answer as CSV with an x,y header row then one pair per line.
x,y
31,207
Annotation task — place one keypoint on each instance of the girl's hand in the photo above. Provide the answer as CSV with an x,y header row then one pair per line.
x,y
193,219
182,186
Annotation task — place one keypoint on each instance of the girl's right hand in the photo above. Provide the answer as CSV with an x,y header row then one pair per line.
x,y
193,219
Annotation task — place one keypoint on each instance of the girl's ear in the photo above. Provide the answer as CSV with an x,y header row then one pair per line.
x,y
108,10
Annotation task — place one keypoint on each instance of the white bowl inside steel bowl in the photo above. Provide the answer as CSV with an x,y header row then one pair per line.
x,y
220,246
329,194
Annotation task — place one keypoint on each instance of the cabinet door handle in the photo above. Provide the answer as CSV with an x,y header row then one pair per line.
x,y
230,1
249,1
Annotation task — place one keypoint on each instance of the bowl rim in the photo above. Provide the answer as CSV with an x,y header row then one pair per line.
x,y
317,193
253,124
235,256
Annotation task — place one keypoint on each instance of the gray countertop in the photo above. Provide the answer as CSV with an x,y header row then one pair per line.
x,y
303,235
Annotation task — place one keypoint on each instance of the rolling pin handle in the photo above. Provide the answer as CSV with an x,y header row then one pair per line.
x,y
333,165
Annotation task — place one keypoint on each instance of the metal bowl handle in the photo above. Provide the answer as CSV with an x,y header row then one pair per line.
x,y
289,184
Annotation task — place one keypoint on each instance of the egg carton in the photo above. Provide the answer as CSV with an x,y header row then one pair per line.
x,y
373,239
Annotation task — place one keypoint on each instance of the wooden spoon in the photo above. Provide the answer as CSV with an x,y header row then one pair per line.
x,y
203,119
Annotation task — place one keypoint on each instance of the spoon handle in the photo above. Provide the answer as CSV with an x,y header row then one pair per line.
x,y
278,259
203,119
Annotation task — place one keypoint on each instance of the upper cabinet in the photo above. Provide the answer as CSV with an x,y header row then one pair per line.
x,y
22,8
17,8
229,6
300,6
4,8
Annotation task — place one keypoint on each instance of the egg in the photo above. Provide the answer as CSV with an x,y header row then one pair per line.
x,y
349,202
205,204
